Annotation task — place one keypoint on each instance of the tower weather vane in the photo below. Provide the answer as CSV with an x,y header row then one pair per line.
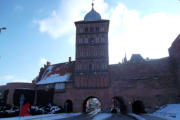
x,y
93,3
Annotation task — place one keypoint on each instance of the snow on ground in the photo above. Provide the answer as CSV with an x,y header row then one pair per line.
x,y
54,78
169,112
136,116
44,117
102,116
94,112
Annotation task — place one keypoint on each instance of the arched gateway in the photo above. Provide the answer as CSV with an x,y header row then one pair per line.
x,y
119,105
91,103
138,107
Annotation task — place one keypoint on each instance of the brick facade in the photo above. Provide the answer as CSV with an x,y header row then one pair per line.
x,y
91,66
154,82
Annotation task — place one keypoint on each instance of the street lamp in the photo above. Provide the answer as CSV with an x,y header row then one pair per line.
x,y
3,28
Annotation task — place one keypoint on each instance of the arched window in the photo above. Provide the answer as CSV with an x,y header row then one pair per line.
x,y
91,104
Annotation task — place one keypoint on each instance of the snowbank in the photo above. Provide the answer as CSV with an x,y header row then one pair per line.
x,y
169,112
55,78
44,117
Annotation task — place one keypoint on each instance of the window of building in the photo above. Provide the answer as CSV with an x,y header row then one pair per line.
x,y
86,40
80,52
90,67
80,66
95,52
91,29
59,86
80,40
91,40
86,29
102,29
96,39
97,29
102,40
99,39
86,52
80,30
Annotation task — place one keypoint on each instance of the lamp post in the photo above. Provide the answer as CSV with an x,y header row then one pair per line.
x,y
3,28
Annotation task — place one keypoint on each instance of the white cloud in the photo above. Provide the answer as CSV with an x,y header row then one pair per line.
x,y
150,35
4,79
42,61
61,21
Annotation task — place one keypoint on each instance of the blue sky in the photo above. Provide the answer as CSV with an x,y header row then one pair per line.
x,y
41,30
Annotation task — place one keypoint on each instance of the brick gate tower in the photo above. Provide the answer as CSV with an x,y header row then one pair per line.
x,y
92,60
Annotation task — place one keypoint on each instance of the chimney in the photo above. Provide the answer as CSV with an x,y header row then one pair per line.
x,y
48,63
69,59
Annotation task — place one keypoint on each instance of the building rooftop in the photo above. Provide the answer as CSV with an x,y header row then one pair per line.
x,y
92,15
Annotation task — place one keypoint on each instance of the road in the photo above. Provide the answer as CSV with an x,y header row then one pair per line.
x,y
88,117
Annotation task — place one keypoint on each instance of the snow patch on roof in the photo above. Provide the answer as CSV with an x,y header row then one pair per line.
x,y
55,78
47,71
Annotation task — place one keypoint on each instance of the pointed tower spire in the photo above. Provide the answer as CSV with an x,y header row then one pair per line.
x,y
125,58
